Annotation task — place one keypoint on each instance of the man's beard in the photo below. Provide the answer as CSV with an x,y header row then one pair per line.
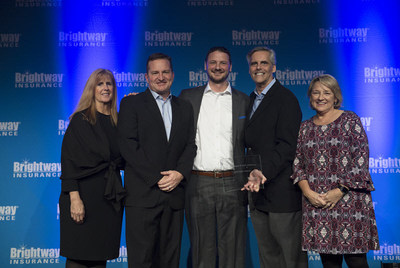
x,y
219,80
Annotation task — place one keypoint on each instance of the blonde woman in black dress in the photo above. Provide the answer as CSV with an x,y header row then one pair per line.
x,y
91,187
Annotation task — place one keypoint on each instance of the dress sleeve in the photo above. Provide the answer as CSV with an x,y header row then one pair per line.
x,y
79,154
358,176
299,172
69,185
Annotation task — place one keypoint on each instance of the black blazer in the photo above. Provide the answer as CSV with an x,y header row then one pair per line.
x,y
272,133
146,150
240,102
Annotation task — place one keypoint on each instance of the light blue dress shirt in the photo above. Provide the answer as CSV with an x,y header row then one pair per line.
x,y
165,110
260,97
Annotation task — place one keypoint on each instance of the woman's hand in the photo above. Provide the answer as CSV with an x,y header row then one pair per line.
x,y
77,207
332,197
315,199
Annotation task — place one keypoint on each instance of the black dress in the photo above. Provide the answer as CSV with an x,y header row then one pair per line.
x,y
89,163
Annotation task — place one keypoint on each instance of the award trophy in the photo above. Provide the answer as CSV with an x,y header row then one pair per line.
x,y
243,165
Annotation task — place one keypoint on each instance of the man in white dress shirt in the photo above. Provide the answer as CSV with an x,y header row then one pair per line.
x,y
216,210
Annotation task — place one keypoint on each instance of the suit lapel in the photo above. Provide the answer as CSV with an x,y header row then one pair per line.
x,y
196,103
264,103
235,115
154,112
248,112
176,117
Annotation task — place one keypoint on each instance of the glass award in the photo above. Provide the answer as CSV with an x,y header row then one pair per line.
x,y
242,167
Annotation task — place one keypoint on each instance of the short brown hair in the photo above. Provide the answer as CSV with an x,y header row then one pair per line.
x,y
219,49
158,56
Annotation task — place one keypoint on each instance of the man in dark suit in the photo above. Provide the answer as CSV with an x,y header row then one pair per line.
x,y
157,140
216,211
272,126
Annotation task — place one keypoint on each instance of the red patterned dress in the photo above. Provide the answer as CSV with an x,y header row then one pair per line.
x,y
326,156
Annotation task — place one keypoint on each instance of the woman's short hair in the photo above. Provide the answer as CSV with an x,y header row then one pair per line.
x,y
87,101
330,82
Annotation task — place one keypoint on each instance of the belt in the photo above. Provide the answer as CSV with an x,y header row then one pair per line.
x,y
215,174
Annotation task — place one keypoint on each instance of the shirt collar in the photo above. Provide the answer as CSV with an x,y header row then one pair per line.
x,y
228,89
265,90
158,96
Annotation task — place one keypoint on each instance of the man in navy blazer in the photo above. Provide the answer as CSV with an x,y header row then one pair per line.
x,y
216,209
157,141
271,131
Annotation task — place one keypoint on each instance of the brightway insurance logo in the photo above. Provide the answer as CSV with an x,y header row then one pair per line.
x,y
82,39
9,39
342,35
34,255
9,128
31,170
384,165
255,38
167,39
295,2
297,77
123,256
124,3
62,126
314,256
375,75
387,253
200,77
209,3
366,122
38,3
8,213
130,80
38,80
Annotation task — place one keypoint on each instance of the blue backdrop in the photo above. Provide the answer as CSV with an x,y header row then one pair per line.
x,y
48,49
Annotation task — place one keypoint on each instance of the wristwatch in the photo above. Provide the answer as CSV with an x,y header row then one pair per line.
x,y
343,189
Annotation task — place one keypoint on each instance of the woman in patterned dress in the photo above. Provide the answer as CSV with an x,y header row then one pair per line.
x,y
331,168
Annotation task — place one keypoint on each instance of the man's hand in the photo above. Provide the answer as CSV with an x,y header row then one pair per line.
x,y
256,178
77,207
131,94
170,180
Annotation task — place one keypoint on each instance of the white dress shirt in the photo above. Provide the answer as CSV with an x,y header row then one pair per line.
x,y
214,132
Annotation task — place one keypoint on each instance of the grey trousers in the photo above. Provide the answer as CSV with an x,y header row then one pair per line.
x,y
279,239
217,222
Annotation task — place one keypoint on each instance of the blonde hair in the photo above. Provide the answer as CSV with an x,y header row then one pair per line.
x,y
330,82
87,100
